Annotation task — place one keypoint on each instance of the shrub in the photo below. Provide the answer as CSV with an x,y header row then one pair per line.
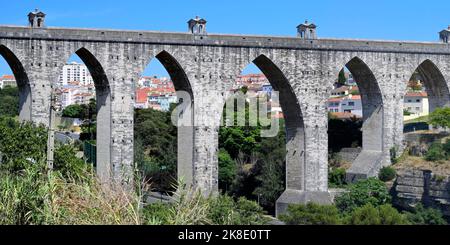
x,y
191,208
446,147
440,117
381,215
435,152
225,211
369,191
311,214
425,216
336,177
387,174
227,169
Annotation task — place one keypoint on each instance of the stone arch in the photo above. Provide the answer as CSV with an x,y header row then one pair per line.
x,y
103,98
435,84
294,124
295,132
23,83
368,161
185,112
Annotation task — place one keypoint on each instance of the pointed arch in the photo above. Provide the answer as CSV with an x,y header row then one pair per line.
x,y
184,113
23,83
372,103
103,100
435,84
368,162
176,72
294,124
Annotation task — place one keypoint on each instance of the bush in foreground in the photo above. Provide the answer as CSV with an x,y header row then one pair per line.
x,y
387,174
381,215
370,191
425,216
311,214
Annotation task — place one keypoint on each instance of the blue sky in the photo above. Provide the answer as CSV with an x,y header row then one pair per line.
x,y
416,20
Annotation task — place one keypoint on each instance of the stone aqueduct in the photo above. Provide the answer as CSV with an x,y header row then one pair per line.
x,y
206,65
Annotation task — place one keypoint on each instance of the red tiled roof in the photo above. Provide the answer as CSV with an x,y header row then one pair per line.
x,y
416,94
344,115
142,94
335,99
7,77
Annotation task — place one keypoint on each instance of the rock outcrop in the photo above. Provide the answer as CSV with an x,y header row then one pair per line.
x,y
414,186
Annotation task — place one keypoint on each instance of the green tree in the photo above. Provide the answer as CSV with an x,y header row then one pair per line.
x,y
440,117
370,191
227,170
435,152
158,136
342,80
74,111
9,101
21,144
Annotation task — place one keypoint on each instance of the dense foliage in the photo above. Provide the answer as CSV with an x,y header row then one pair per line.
x,y
371,191
9,101
259,161
83,111
70,193
336,177
366,203
156,147
440,117
311,214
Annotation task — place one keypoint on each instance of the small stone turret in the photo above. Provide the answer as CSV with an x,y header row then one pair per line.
x,y
36,19
444,35
307,31
197,26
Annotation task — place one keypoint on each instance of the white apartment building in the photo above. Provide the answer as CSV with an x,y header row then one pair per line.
x,y
347,104
75,72
7,80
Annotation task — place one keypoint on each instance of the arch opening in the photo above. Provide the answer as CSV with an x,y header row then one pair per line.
x,y
163,148
19,79
252,163
426,91
355,127
83,110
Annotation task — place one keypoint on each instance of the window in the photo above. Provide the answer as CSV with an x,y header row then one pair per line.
x,y
417,108
409,101
351,103
418,100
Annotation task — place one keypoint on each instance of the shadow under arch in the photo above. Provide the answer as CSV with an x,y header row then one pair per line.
x,y
184,117
294,125
103,99
435,85
368,161
23,83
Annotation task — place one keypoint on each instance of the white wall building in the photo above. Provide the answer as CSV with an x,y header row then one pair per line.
x,y
75,72
348,104
7,80
417,104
